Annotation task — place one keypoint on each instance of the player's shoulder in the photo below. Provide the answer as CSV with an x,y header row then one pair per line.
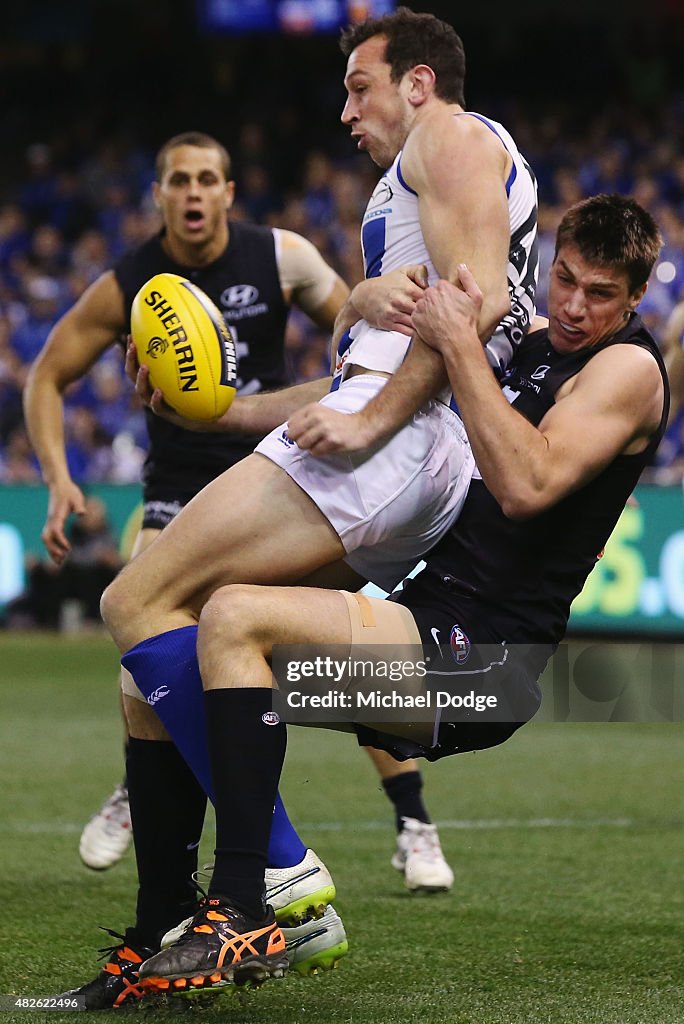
x,y
621,376
627,358
100,308
450,141
446,127
290,240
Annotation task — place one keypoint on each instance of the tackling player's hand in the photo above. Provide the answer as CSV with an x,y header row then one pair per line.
x,y
324,431
64,499
388,302
447,315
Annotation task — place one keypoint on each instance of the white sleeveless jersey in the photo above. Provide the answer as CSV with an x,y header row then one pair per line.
x,y
391,237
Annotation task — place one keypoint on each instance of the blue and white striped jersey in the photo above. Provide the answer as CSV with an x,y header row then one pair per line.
x,y
391,237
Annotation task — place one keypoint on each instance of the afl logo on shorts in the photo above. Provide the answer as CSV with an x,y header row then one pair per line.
x,y
157,346
239,295
460,645
270,718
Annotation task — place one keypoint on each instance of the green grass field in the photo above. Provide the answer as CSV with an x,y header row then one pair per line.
x,y
566,842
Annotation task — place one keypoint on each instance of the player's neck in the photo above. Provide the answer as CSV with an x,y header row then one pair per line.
x,y
433,115
200,254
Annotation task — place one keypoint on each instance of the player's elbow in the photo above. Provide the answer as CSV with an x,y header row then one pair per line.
x,y
522,500
517,510
44,379
523,503
34,388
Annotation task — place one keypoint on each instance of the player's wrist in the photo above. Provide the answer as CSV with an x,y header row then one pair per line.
x,y
372,425
56,480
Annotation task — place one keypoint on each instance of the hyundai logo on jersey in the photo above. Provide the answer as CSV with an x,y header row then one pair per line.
x,y
240,295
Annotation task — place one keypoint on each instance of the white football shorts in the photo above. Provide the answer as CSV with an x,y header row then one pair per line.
x,y
389,505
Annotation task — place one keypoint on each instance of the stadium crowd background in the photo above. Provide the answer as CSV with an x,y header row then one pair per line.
x,y
86,105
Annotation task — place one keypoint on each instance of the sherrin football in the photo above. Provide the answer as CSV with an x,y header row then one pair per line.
x,y
180,335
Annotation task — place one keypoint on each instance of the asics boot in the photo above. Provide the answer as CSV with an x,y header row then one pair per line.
x,y
221,945
117,983
317,945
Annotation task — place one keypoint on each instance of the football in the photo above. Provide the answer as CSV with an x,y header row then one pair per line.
x,y
181,336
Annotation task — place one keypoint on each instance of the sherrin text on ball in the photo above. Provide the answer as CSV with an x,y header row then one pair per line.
x,y
181,336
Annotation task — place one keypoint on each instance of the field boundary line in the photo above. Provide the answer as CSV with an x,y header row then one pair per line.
x,y
455,824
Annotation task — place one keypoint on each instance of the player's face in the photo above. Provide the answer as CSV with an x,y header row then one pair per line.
x,y
376,109
193,195
588,303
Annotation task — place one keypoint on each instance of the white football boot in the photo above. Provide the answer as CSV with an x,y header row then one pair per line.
x,y
107,835
317,945
301,891
420,859
297,893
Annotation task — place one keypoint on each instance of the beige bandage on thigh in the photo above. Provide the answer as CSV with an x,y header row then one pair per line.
x,y
376,621
384,631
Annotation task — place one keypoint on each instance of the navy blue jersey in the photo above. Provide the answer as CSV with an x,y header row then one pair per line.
x,y
244,284
520,577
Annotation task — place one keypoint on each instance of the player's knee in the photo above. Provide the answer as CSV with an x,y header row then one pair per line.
x,y
118,606
231,614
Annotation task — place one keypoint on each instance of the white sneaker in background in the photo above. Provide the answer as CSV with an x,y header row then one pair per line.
x,y
420,859
108,834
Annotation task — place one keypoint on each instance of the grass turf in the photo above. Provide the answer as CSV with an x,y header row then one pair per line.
x,y
566,842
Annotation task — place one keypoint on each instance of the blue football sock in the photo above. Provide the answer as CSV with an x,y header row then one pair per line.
x,y
166,671
285,848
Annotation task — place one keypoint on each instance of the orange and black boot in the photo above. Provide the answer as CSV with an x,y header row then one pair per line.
x,y
117,983
220,946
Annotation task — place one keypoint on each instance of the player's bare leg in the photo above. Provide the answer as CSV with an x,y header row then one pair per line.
x,y
253,524
250,523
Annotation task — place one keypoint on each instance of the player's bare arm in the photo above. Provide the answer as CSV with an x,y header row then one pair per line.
x,y
381,301
611,407
248,414
94,323
458,169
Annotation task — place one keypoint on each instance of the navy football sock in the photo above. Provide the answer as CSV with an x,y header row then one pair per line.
x,y
247,749
166,671
404,790
167,812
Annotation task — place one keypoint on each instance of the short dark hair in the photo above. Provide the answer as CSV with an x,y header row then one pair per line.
x,y
199,139
413,39
613,230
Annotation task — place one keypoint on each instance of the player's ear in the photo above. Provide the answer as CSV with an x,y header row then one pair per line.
x,y
636,296
421,81
155,194
230,194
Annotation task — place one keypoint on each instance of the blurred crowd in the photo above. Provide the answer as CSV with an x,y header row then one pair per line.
x,y
70,216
